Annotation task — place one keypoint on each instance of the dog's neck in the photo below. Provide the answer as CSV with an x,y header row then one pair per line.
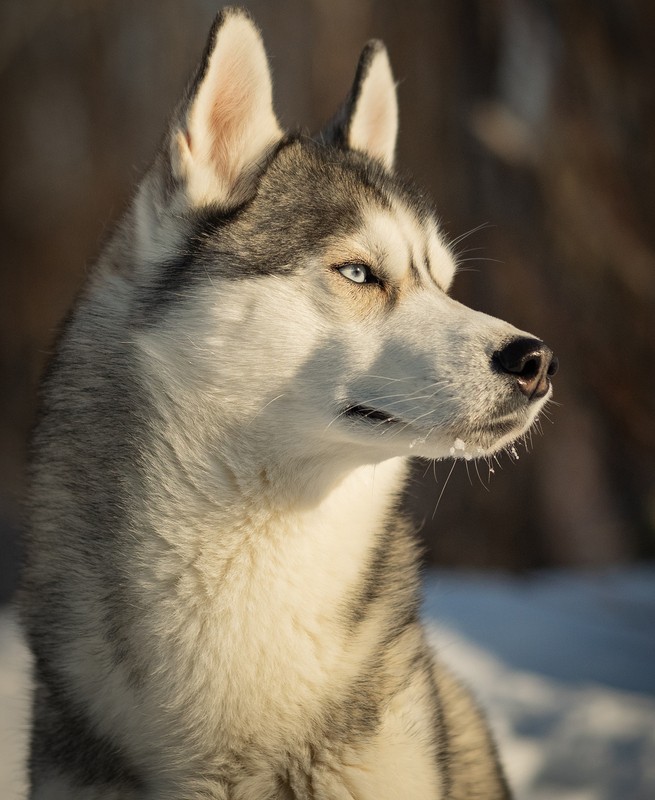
x,y
231,487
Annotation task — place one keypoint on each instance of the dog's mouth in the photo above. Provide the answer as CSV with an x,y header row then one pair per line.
x,y
369,414
467,443
361,412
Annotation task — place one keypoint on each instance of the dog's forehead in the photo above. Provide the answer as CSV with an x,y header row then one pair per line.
x,y
383,218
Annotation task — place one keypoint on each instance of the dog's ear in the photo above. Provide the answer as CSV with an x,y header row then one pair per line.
x,y
368,120
226,124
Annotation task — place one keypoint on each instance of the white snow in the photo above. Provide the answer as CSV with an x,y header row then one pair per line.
x,y
14,703
563,663
565,666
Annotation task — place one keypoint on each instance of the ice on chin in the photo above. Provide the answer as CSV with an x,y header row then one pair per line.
x,y
459,448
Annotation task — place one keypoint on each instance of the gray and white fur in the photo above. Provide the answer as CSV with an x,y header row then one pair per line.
x,y
219,590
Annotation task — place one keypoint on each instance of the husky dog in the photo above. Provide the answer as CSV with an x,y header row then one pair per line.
x,y
220,593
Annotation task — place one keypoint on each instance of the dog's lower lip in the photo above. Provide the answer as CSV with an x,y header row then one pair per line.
x,y
369,413
501,427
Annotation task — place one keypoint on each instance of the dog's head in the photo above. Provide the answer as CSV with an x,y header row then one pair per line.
x,y
294,291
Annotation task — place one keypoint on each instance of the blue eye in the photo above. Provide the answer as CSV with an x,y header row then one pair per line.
x,y
357,273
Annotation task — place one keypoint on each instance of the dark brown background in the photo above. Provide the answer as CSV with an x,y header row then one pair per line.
x,y
535,119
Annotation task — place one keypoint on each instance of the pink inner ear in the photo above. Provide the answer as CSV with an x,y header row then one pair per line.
x,y
230,121
374,124
230,111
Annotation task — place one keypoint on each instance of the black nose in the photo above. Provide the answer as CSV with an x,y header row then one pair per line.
x,y
531,362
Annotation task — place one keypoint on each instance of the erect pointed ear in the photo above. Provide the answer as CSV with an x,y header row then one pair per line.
x,y
227,124
368,120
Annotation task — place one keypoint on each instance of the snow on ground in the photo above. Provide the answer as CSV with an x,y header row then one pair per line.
x,y
14,666
563,663
565,666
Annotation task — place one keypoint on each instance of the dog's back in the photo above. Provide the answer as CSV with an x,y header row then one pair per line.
x,y
220,592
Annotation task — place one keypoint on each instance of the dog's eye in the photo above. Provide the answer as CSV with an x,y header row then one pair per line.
x,y
357,273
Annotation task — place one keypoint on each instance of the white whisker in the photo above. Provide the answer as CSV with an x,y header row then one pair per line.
x,y
264,407
443,489
465,235
482,483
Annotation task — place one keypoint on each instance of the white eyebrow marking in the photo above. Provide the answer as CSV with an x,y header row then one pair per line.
x,y
387,239
440,262
404,246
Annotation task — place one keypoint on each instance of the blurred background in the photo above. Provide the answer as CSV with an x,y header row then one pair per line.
x,y
532,125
